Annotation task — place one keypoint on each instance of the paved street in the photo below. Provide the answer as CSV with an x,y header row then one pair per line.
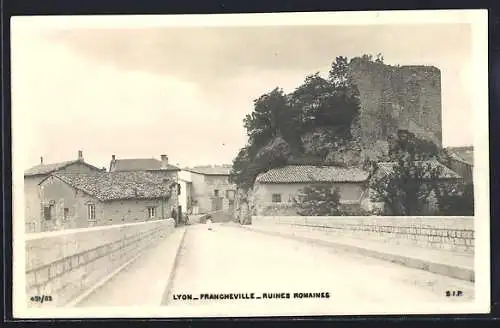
x,y
230,259
233,260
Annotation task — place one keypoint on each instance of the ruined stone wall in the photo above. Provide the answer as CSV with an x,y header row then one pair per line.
x,y
398,97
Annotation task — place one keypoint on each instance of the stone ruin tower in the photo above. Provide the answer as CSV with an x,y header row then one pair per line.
x,y
397,98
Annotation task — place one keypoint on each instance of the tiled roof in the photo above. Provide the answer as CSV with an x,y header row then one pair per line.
x,y
142,164
118,185
41,169
463,154
446,173
211,170
310,173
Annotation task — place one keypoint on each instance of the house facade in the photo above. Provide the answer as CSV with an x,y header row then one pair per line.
x,y
212,189
82,200
32,179
276,190
162,169
186,192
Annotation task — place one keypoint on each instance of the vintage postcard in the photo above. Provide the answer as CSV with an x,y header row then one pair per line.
x,y
251,165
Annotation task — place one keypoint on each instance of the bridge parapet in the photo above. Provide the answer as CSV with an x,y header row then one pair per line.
x,y
441,233
65,264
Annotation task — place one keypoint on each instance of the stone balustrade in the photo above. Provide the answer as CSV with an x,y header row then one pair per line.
x,y
64,264
445,233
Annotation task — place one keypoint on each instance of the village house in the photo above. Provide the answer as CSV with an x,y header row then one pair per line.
x,y
462,162
212,189
275,191
34,175
82,200
161,168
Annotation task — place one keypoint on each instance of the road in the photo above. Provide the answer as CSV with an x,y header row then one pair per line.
x,y
229,259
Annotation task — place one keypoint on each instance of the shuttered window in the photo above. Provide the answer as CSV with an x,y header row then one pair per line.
x,y
91,212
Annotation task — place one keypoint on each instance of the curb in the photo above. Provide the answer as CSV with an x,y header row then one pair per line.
x,y
165,298
101,282
414,263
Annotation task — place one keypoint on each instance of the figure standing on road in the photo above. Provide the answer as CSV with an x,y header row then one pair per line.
x,y
173,214
209,223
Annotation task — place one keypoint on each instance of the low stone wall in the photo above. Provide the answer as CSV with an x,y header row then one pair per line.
x,y
449,233
64,264
274,209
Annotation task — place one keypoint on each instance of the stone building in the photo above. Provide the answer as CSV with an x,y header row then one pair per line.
x,y
274,191
32,178
82,200
161,168
397,97
212,189
151,165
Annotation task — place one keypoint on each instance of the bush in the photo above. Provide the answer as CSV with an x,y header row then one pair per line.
x,y
456,199
318,200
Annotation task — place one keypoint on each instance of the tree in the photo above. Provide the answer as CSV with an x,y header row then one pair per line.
x,y
247,166
405,184
331,103
278,122
339,74
318,200
406,143
455,199
271,116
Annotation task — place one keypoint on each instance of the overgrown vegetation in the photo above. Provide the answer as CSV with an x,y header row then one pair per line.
x,y
319,123
411,184
278,127
318,200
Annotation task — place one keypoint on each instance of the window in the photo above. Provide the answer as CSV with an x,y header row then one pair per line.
x,y
151,212
216,193
47,212
66,213
91,212
276,198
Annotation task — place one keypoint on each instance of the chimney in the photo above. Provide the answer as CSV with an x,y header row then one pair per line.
x,y
80,155
112,165
164,161
41,160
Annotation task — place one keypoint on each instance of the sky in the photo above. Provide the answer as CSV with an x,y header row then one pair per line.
x,y
184,91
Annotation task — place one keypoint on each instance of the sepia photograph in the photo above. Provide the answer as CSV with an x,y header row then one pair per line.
x,y
248,165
